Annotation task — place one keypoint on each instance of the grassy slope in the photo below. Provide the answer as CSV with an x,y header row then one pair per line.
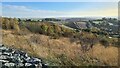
x,y
61,51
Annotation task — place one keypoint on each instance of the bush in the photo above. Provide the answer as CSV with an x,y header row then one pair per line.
x,y
104,42
55,36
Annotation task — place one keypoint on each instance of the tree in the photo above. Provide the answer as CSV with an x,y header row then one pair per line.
x,y
11,23
1,19
57,28
44,28
6,23
16,27
50,30
104,42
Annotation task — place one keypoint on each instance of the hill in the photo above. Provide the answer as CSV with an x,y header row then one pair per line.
x,y
60,46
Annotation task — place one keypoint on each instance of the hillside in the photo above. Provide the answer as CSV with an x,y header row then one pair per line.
x,y
61,51
59,46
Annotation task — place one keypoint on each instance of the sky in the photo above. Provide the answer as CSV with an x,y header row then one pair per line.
x,y
59,9
60,0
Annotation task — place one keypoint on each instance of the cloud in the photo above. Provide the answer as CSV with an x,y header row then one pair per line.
x,y
23,11
14,7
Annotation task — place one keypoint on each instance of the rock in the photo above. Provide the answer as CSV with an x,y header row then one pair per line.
x,y
9,64
12,57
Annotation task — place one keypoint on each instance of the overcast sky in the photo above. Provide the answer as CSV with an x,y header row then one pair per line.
x,y
59,9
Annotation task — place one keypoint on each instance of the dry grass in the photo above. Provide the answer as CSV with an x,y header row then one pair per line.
x,y
61,51
107,55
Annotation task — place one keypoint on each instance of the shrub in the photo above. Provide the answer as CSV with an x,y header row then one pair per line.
x,y
104,42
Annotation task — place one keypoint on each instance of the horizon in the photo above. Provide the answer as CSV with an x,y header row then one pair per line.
x,y
59,9
59,17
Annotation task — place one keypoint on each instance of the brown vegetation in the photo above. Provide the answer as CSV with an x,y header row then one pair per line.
x,y
58,45
61,51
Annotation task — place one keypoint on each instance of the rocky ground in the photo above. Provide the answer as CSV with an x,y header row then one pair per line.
x,y
15,58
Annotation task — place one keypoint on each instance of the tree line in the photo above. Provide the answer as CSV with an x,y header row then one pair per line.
x,y
10,23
